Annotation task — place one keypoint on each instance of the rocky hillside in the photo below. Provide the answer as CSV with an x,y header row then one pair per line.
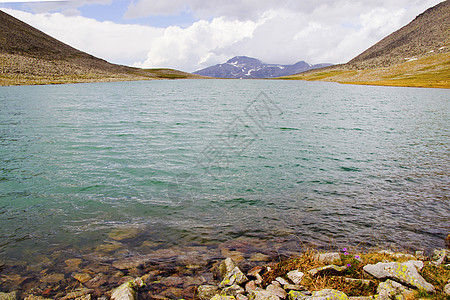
x,y
29,56
248,67
415,55
427,34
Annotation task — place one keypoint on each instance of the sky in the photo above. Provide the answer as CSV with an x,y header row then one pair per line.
x,y
189,35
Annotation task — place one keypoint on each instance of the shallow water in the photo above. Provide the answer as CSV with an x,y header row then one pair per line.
x,y
208,161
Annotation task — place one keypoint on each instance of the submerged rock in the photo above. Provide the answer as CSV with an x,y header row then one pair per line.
x,y
120,234
405,273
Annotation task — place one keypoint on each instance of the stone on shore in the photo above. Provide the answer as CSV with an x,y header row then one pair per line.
x,y
328,294
206,292
392,290
329,258
405,273
282,281
128,290
440,256
234,277
295,276
233,290
447,288
226,267
262,295
276,289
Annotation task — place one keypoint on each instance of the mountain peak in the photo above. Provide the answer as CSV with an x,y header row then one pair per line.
x,y
249,67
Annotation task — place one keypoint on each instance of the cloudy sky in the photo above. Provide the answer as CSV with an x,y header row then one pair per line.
x,y
192,34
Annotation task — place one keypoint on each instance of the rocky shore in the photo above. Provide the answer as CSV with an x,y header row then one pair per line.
x,y
310,275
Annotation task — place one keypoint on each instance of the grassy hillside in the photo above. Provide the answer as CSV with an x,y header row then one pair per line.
x,y
431,71
29,56
417,55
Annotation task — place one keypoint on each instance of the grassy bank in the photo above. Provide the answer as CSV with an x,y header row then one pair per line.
x,y
431,71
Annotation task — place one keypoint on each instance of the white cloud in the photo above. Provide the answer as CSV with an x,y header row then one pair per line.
x,y
285,31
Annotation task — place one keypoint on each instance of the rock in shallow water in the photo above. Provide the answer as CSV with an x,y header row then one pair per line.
x,y
405,273
127,291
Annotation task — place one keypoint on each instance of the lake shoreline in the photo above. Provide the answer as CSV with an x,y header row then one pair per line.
x,y
308,273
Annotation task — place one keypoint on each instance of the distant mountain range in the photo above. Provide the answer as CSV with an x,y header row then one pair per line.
x,y
416,55
248,67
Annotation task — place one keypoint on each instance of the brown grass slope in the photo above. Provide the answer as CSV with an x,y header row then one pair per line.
x,y
415,55
29,56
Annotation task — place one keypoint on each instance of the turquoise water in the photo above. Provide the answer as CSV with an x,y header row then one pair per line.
x,y
202,162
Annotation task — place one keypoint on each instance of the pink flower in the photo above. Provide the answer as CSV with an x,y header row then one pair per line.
x,y
345,253
357,257
349,265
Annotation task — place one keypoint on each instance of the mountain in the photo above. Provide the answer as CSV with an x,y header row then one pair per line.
x,y
247,67
415,55
29,56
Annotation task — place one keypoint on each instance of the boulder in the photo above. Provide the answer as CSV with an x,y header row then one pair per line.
x,y
295,276
128,290
234,277
226,267
206,292
405,273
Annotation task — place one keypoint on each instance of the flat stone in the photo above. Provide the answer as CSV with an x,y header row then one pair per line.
x,y
130,263
233,290
262,295
8,296
259,257
109,247
53,278
329,258
276,289
234,277
254,271
392,290
405,273
226,267
73,263
330,269
206,292
120,234
82,277
295,276
78,294
328,294
282,281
